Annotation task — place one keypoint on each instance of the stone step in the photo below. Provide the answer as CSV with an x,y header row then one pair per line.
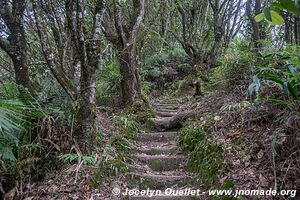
x,y
157,137
158,181
165,103
168,100
157,145
166,106
167,150
165,114
165,197
161,162
166,110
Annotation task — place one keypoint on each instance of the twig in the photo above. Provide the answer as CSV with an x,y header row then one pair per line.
x,y
77,170
274,171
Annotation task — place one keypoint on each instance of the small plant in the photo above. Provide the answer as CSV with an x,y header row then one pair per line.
x,y
121,144
205,157
129,126
112,161
288,81
109,84
73,157
236,106
234,65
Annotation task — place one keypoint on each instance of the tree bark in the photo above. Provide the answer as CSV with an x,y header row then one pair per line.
x,y
87,47
124,39
52,62
15,45
87,103
130,83
256,36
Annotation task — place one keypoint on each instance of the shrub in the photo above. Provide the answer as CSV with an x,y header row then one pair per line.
x,y
205,157
234,65
127,124
112,161
109,83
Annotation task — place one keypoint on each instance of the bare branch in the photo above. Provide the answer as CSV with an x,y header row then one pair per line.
x,y
139,20
5,45
49,54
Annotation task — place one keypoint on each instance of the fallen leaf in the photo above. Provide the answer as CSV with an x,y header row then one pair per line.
x,y
263,181
260,154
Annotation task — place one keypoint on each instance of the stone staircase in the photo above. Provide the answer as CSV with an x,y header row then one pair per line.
x,y
158,163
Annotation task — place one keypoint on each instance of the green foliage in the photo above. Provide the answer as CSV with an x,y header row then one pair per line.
x,y
121,144
172,52
21,136
185,86
72,157
128,124
235,106
15,119
205,157
146,88
234,65
254,87
291,6
153,61
109,82
112,161
284,75
271,16
288,82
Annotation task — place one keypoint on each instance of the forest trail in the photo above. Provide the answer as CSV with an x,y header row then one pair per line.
x,y
159,163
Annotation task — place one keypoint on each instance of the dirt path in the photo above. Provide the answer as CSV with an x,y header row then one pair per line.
x,y
158,163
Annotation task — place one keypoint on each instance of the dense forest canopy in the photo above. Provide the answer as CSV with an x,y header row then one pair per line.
x,y
80,76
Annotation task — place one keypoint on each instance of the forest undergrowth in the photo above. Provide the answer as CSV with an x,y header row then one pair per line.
x,y
80,81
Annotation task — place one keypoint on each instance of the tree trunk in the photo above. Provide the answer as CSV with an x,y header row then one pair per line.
x,y
287,29
15,45
125,41
87,107
218,33
130,83
297,30
254,24
21,70
20,59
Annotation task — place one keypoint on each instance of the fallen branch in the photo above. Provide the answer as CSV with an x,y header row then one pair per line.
x,y
173,122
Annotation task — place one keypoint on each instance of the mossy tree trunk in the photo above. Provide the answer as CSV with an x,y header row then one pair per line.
x,y
15,45
86,44
124,38
130,84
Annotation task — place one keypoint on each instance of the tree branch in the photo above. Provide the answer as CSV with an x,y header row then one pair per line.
x,y
119,24
107,30
139,20
49,54
5,46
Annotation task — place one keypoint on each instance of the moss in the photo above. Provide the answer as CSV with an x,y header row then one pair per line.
x,y
205,157
185,86
161,165
135,181
112,166
141,110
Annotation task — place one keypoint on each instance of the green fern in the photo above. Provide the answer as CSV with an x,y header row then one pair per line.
x,y
235,106
71,157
